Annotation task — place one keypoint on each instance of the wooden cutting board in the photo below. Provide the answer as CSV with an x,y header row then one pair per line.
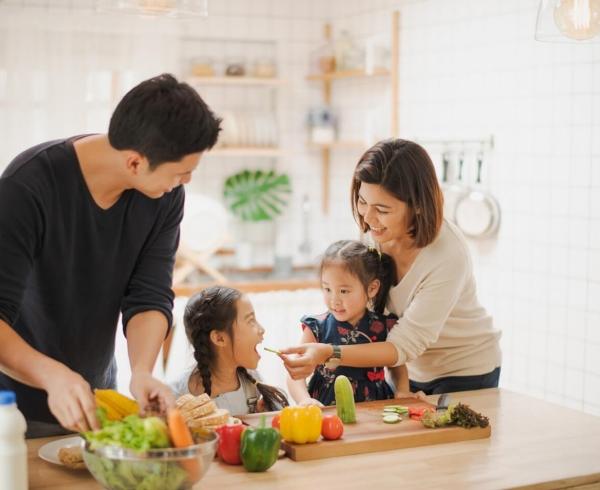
x,y
370,434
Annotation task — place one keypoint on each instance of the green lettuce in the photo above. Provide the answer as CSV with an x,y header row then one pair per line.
x,y
133,432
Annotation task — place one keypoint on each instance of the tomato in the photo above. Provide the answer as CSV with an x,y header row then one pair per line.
x,y
275,421
332,427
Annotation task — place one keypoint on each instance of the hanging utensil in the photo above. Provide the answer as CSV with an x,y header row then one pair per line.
x,y
477,213
452,184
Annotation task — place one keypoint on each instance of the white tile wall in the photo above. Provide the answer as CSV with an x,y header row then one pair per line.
x,y
468,69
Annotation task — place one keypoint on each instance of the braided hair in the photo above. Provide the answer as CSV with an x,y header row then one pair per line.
x,y
215,308
366,264
274,398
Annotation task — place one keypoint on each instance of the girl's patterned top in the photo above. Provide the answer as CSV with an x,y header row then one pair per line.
x,y
368,383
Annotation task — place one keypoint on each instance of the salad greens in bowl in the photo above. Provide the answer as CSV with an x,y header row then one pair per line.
x,y
135,453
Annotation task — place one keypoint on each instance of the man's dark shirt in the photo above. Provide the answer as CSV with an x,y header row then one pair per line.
x,y
68,267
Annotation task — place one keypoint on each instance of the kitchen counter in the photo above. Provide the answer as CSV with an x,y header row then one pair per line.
x,y
534,444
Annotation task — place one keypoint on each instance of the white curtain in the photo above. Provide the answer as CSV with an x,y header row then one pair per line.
x,y
62,71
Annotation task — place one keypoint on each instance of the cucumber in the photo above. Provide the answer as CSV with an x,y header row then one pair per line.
x,y
392,418
344,400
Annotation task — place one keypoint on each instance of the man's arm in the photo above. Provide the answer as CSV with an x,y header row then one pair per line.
x,y
146,332
147,306
70,398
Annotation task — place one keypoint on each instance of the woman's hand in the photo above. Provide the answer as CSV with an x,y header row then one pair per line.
x,y
150,393
71,401
310,401
407,394
302,360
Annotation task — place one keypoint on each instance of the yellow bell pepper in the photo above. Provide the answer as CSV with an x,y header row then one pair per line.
x,y
300,424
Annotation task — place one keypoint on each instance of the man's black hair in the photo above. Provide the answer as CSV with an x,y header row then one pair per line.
x,y
164,120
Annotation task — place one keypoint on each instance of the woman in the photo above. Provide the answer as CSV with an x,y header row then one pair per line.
x,y
443,333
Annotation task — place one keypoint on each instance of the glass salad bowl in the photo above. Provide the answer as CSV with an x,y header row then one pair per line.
x,y
117,468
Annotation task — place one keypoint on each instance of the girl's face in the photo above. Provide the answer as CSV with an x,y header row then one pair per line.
x,y
247,334
344,294
385,215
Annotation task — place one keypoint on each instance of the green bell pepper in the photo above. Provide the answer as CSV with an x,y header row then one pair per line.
x,y
260,447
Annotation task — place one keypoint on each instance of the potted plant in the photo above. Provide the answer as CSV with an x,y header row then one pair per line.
x,y
256,198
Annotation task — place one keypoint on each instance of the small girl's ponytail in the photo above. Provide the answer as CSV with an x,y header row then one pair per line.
x,y
387,277
274,399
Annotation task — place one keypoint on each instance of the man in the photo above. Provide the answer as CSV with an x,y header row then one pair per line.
x,y
89,227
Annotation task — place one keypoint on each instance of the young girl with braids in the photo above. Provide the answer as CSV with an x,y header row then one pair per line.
x,y
355,280
221,326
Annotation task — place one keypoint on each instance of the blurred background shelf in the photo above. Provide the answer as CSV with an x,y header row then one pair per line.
x,y
237,81
338,75
246,151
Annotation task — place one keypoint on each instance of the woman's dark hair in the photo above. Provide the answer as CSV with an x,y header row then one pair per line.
x,y
215,308
404,170
164,120
366,264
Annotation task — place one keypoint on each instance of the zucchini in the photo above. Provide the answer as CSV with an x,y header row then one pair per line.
x,y
344,400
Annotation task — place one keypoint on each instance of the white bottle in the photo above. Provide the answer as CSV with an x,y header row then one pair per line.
x,y
13,451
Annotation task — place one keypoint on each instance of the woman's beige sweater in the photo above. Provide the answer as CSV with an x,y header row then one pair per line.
x,y
442,329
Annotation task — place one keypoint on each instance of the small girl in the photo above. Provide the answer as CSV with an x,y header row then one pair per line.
x,y
355,280
224,333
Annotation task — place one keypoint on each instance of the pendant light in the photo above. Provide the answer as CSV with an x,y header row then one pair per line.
x,y
568,21
165,8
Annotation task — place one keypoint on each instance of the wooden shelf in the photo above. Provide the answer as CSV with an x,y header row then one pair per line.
x,y
250,151
337,75
326,80
248,81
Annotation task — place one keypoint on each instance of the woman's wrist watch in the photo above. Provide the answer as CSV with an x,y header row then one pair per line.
x,y
334,359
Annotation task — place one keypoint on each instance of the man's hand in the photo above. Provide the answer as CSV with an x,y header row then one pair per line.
x,y
150,393
301,361
71,400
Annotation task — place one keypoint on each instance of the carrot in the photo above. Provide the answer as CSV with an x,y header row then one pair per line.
x,y
182,437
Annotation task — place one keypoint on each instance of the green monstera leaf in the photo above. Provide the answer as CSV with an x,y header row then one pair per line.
x,y
257,195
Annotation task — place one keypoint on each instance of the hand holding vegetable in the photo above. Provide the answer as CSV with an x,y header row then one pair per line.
x,y
151,393
71,400
307,358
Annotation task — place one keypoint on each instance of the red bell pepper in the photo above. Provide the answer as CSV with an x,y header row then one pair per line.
x,y
230,437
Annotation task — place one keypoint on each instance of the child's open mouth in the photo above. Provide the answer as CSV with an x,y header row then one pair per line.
x,y
256,349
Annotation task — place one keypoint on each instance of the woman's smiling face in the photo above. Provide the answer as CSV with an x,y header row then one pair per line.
x,y
385,215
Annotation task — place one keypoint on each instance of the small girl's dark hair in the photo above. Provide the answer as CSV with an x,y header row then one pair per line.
x,y
215,308
366,263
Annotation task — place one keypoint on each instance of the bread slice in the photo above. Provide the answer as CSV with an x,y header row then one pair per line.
x,y
71,457
188,401
197,412
219,417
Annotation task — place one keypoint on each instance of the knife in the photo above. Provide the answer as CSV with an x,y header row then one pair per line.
x,y
443,402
